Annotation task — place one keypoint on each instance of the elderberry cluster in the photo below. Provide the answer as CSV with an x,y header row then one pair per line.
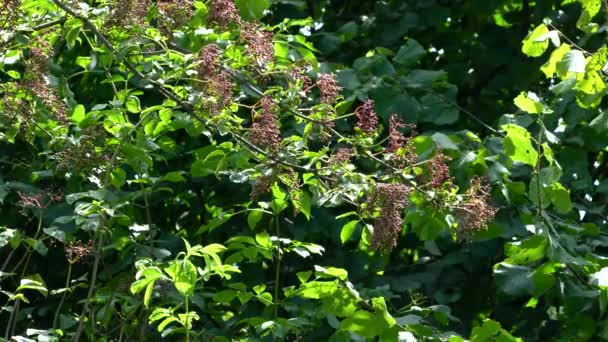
x,y
366,116
265,131
390,200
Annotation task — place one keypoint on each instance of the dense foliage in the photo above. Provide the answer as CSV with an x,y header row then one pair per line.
x,y
297,170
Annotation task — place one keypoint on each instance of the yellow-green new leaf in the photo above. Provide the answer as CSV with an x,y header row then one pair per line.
x,y
537,41
529,103
518,145
590,9
550,67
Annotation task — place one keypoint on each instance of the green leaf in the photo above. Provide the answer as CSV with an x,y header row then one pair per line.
x,y
598,60
147,275
305,204
184,275
437,110
550,67
281,49
84,61
444,142
572,62
380,305
14,74
348,230
560,198
527,251
529,103
209,165
590,9
33,282
317,289
331,272
78,114
254,217
252,9
174,177
278,199
600,122
364,323
491,331
410,53
133,105
536,42
514,280
518,145
118,177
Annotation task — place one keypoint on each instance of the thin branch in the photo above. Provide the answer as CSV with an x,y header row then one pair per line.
x,y
99,252
569,40
13,36
606,9
471,115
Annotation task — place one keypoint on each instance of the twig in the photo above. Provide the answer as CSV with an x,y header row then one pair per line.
x,y
99,251
569,40
85,309
35,28
277,274
470,114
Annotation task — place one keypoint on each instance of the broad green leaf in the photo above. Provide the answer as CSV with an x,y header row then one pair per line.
x,y
548,153
548,176
518,145
133,104
254,217
147,275
305,204
527,251
380,305
278,199
252,9
444,142
347,230
437,110
364,323
591,83
174,177
83,61
598,60
550,67
118,177
560,198
536,42
332,272
184,276
14,74
590,9
410,53
600,122
529,103
514,280
225,296
572,62
317,289
281,49
78,114
37,245
491,331
209,165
